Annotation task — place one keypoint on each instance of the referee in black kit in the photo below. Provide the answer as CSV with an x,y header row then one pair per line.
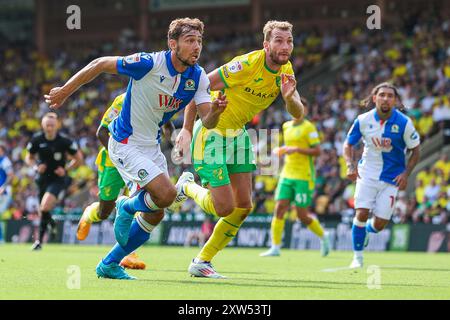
x,y
53,150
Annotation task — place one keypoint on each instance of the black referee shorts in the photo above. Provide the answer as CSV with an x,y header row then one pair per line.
x,y
56,186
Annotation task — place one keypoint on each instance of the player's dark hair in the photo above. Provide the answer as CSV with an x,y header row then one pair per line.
x,y
368,101
51,114
178,27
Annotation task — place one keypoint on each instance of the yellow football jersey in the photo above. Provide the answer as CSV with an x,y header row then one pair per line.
x,y
250,87
113,111
300,166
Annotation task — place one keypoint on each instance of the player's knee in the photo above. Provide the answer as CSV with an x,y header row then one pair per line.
x,y
380,225
166,199
224,209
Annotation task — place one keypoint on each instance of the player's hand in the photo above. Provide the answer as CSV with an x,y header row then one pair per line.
x,y
56,97
279,151
352,172
60,172
2,189
401,180
41,168
288,86
220,103
182,145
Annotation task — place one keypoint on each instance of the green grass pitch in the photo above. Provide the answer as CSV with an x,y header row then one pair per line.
x,y
296,275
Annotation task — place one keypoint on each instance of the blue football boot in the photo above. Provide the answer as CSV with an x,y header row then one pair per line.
x,y
112,271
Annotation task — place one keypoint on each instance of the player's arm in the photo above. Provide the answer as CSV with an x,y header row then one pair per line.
x,y
103,135
353,137
209,112
291,96
168,128
216,80
75,160
313,151
412,141
74,155
30,158
58,95
135,66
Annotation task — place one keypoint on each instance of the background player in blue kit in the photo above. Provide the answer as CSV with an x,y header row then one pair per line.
x,y
387,134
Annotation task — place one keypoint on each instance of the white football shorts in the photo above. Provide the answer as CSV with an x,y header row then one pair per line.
x,y
377,196
137,165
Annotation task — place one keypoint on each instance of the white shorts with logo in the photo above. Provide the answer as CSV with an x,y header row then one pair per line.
x,y
137,165
377,196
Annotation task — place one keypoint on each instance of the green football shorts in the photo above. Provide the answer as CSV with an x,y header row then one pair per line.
x,y
215,157
294,190
109,184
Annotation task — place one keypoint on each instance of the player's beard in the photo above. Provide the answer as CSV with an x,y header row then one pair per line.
x,y
274,57
184,62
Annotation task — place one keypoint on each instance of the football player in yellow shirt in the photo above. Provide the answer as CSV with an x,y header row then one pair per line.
x,y
110,184
223,156
297,179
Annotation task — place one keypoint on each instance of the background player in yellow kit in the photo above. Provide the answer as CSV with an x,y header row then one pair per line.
x,y
110,184
297,179
223,156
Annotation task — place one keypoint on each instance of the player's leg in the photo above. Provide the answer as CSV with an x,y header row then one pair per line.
x,y
47,204
365,195
140,231
209,162
277,228
284,194
384,208
110,184
226,228
146,168
303,200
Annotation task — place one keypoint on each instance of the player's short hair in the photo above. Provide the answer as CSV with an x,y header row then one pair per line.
x,y
274,24
178,27
368,102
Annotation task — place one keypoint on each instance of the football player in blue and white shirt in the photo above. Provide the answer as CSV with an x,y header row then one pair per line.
x,y
6,175
161,84
383,170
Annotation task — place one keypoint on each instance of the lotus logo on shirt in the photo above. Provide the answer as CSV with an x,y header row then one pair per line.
x,y
169,102
382,144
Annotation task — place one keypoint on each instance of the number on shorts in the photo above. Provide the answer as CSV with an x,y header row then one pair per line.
x,y
392,201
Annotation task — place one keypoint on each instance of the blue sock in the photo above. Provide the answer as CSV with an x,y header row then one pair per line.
x,y
358,235
136,203
370,228
137,238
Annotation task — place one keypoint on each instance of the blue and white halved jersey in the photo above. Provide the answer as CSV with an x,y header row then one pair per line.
x,y
156,92
385,144
5,169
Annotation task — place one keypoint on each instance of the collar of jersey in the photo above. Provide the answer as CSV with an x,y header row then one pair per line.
x,y
391,118
172,71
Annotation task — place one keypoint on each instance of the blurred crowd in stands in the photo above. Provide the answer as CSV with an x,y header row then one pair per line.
x,y
414,55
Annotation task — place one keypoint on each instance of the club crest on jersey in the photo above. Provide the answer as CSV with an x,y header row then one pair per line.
x,y
169,102
142,174
395,128
189,84
161,79
382,144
